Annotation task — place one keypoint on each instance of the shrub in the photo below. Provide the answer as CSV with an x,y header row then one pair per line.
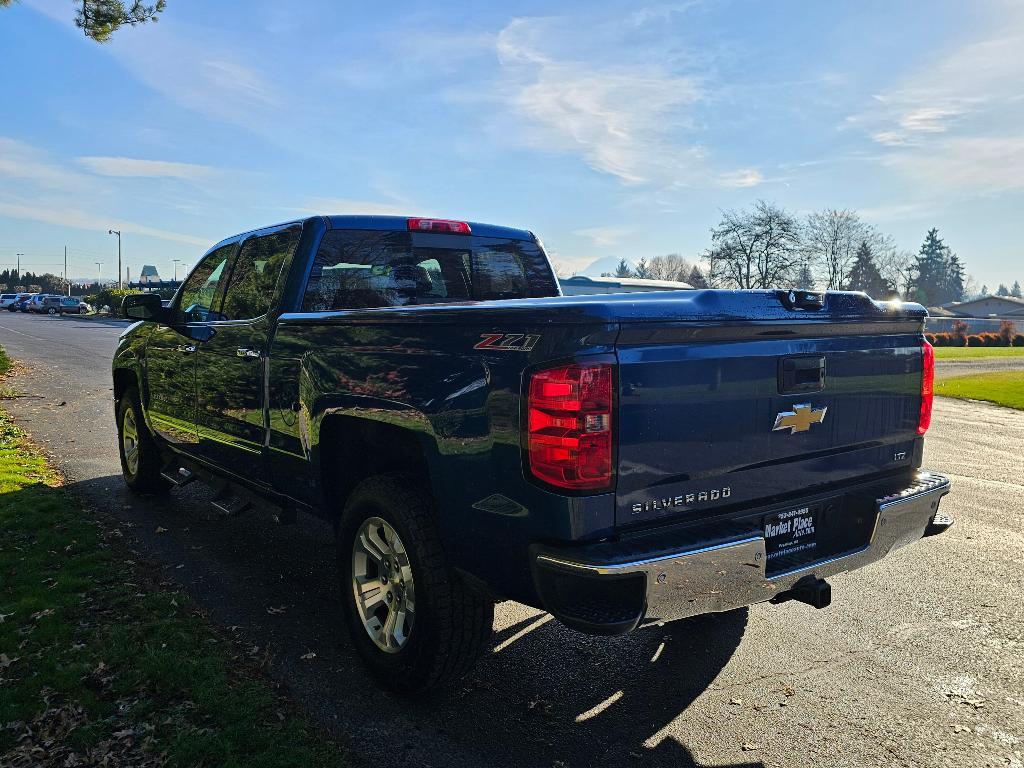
x,y
109,297
959,332
974,341
1018,340
1007,330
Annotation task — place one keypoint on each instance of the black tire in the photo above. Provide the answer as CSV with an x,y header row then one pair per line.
x,y
51,311
453,622
143,474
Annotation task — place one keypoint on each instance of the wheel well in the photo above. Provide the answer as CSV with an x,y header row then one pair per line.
x,y
353,449
123,381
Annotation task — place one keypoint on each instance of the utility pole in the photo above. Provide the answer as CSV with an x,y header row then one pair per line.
x,y
176,263
66,279
118,233
99,266
17,272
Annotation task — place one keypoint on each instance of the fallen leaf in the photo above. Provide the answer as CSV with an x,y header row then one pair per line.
x,y
274,611
6,661
4,616
161,529
736,702
41,614
751,747
308,656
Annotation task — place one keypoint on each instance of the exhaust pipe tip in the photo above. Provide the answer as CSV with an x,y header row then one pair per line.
x,y
811,590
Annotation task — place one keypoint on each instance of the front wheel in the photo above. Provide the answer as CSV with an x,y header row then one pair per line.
x,y
140,458
412,619
51,311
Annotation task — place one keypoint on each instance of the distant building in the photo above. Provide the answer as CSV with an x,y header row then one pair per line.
x,y
982,314
149,274
579,285
988,306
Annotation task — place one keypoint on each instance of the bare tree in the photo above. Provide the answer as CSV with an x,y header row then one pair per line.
x,y
672,266
831,239
895,265
758,248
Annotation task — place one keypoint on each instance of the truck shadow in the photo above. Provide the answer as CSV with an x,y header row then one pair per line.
x,y
543,695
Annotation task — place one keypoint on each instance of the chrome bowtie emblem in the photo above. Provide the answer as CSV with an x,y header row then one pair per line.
x,y
800,418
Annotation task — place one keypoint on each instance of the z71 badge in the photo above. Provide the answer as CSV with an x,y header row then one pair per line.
x,y
507,342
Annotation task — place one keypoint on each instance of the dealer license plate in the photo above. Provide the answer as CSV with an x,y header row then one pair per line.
x,y
791,532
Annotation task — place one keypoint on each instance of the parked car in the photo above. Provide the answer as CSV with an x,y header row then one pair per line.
x,y
474,436
7,299
26,304
60,305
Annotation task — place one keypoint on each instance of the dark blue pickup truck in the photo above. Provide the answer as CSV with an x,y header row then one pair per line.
x,y
475,436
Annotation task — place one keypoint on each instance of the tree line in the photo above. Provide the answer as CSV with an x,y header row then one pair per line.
x,y
28,282
766,246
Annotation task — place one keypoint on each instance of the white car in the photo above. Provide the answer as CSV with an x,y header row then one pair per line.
x,y
7,299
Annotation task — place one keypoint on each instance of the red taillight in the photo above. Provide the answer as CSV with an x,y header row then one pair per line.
x,y
440,225
927,388
569,425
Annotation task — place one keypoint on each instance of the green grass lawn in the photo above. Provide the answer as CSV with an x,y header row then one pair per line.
x,y
101,664
1000,387
977,353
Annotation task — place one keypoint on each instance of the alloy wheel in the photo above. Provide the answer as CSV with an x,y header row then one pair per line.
x,y
382,583
130,440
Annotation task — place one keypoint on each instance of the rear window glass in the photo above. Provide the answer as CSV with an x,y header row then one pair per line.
x,y
371,268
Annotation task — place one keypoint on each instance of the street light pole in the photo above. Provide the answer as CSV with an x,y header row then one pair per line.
x,y
176,263
118,233
99,265
17,272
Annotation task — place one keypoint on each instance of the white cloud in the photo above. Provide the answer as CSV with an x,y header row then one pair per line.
x,y
24,162
79,219
602,237
132,167
955,125
741,179
51,193
622,119
979,164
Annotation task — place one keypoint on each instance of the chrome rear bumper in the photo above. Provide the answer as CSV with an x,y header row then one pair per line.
x,y
726,575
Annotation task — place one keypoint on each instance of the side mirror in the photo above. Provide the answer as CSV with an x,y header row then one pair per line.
x,y
143,306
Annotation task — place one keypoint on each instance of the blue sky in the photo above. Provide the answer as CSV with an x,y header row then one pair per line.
x,y
610,129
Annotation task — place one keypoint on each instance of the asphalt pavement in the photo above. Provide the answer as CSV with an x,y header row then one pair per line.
x,y
918,662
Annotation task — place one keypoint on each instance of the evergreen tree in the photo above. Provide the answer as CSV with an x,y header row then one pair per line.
x,y
623,269
864,274
99,19
954,282
930,282
697,279
642,271
1015,291
805,277
984,290
1002,290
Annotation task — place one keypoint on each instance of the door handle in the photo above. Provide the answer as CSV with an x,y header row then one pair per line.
x,y
251,353
186,349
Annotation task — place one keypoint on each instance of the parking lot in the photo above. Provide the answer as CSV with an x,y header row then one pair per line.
x,y
917,662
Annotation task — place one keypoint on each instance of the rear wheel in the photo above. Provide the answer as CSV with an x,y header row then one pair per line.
x,y
51,311
140,459
412,619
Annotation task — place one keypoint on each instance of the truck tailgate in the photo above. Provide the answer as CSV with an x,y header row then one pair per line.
x,y
713,415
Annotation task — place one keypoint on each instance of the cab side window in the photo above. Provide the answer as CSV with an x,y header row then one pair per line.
x,y
199,293
254,277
